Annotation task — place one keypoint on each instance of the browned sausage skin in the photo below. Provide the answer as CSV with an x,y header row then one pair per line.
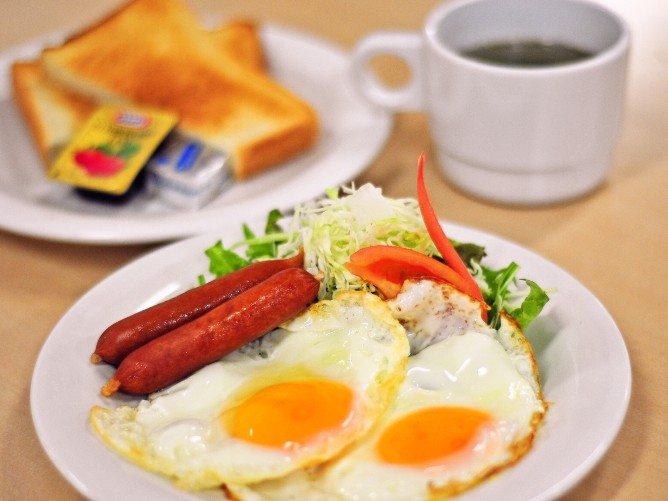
x,y
128,334
227,327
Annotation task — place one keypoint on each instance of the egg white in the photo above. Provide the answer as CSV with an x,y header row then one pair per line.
x,y
459,361
431,311
352,339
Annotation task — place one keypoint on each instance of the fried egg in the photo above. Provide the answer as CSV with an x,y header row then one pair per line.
x,y
469,406
292,399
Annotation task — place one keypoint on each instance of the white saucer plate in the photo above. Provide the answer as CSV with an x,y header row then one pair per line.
x,y
583,361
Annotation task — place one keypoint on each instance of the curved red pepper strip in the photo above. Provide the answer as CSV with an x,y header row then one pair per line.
x,y
439,237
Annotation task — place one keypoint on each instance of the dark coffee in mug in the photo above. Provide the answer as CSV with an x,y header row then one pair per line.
x,y
527,53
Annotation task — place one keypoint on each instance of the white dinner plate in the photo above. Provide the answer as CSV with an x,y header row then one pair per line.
x,y
581,354
352,133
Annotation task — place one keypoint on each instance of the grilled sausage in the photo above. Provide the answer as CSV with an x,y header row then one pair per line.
x,y
229,326
128,334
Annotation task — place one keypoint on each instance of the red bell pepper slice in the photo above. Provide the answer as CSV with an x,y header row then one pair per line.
x,y
440,239
438,236
386,267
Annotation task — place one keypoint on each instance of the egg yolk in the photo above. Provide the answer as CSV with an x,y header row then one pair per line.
x,y
287,415
430,434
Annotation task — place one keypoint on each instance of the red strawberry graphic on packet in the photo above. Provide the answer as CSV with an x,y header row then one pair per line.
x,y
98,163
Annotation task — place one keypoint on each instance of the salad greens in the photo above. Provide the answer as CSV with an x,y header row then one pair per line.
x,y
331,229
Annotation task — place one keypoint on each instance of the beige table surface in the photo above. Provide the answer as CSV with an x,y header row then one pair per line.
x,y
615,240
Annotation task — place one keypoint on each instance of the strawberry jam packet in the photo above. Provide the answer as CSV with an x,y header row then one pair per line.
x,y
111,148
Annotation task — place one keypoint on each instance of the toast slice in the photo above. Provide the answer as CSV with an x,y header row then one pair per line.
x,y
154,53
54,114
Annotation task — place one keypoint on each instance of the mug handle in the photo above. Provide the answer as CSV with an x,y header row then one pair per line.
x,y
407,46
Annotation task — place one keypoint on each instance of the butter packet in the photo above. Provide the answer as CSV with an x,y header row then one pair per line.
x,y
111,148
186,173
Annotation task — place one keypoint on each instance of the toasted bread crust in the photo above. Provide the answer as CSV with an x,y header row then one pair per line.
x,y
173,64
52,113
240,38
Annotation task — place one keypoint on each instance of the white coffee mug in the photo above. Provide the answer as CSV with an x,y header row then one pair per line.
x,y
511,134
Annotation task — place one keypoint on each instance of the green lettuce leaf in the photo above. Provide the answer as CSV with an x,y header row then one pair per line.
x,y
501,293
531,306
223,261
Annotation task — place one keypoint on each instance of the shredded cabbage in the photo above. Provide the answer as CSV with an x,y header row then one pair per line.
x,y
333,228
